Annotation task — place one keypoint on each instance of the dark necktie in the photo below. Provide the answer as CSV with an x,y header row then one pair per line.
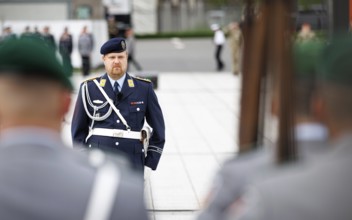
x,y
116,87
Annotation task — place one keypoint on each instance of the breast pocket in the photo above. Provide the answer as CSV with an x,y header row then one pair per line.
x,y
137,113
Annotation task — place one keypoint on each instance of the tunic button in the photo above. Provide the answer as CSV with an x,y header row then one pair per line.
x,y
90,145
138,109
117,143
117,121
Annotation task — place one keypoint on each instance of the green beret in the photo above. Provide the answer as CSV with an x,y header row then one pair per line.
x,y
335,65
306,55
31,58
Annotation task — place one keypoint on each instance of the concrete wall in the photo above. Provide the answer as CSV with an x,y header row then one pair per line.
x,y
96,6
144,12
34,11
144,16
97,27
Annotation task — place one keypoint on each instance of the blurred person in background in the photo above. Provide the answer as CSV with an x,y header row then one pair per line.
x,y
49,38
130,43
112,27
219,41
305,34
27,33
41,178
65,49
85,48
236,43
7,34
111,111
310,135
36,32
321,190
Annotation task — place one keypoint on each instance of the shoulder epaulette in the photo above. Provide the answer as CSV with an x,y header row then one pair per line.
x,y
91,79
142,79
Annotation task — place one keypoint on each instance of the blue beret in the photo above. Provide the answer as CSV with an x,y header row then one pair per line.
x,y
116,45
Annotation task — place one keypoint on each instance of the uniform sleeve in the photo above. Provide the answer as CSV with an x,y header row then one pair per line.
x,y
251,206
80,120
227,187
155,119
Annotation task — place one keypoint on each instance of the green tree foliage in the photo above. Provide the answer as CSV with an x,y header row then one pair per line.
x,y
303,3
223,2
307,3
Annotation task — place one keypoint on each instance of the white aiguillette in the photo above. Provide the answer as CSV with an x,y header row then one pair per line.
x,y
98,101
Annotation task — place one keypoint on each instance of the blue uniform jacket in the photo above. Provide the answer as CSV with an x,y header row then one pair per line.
x,y
137,103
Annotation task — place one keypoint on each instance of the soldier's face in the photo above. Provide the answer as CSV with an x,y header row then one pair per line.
x,y
115,64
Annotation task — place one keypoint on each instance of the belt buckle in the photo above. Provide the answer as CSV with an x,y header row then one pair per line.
x,y
117,134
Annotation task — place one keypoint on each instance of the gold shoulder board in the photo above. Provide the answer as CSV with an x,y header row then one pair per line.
x,y
142,79
91,79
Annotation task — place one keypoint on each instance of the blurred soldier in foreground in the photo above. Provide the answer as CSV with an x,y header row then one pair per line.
x,y
111,111
322,189
311,137
41,178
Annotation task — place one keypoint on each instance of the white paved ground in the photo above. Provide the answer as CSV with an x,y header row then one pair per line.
x,y
201,115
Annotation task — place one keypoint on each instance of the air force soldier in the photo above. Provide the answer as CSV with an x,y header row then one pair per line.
x,y
111,111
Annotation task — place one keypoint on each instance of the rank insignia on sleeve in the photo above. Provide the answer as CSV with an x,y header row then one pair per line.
x,y
130,83
102,82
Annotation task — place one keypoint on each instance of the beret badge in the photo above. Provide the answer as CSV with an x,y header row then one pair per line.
x,y
123,45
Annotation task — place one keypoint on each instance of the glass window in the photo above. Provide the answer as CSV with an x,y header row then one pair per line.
x,y
83,12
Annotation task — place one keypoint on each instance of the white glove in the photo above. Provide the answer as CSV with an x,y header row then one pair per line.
x,y
147,172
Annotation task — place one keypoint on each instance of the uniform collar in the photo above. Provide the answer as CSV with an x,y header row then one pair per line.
x,y
28,135
128,86
120,81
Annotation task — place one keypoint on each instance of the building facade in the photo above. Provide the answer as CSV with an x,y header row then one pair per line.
x,y
51,9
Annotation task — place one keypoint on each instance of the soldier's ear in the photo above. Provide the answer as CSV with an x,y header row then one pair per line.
x,y
103,58
66,102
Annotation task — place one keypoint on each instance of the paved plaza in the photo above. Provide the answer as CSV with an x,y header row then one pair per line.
x,y
201,115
